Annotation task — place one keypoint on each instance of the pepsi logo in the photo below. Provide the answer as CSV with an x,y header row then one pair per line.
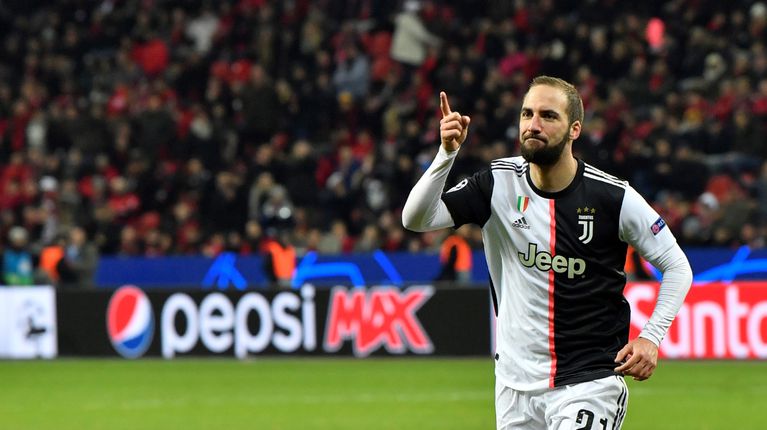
x,y
130,321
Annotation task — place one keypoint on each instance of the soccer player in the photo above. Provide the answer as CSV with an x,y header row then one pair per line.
x,y
555,232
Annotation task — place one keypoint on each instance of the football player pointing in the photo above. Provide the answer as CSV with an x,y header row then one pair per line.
x,y
555,231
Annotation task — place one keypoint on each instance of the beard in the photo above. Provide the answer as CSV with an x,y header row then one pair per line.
x,y
547,155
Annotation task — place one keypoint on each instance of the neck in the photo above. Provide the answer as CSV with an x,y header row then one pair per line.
x,y
555,177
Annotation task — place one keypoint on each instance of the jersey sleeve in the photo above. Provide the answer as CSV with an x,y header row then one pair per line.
x,y
424,210
645,230
642,227
469,201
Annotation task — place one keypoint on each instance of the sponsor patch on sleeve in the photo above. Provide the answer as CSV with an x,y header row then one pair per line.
x,y
657,226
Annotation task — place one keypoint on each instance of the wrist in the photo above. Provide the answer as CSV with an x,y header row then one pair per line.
x,y
447,151
649,338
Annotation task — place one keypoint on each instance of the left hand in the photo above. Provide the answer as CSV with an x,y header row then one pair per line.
x,y
641,358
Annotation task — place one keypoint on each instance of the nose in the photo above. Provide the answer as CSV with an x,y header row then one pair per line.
x,y
534,126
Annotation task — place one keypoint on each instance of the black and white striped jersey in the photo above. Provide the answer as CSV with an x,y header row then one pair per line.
x,y
556,266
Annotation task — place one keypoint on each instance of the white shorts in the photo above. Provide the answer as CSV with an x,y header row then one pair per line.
x,y
598,405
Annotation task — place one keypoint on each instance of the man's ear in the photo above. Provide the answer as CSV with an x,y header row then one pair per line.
x,y
575,130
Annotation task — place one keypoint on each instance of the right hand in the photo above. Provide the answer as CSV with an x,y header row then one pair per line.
x,y
452,127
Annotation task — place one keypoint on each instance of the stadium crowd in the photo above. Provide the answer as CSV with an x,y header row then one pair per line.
x,y
192,127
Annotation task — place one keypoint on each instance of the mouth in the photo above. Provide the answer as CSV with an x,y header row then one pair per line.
x,y
537,140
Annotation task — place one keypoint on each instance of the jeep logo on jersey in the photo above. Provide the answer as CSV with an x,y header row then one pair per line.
x,y
545,261
586,221
378,317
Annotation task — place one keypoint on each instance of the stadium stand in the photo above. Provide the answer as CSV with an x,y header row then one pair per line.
x,y
193,127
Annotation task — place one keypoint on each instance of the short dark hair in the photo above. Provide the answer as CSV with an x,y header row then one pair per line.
x,y
574,101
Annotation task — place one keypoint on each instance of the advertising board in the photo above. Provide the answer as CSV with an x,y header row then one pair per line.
x,y
27,322
234,271
360,322
717,321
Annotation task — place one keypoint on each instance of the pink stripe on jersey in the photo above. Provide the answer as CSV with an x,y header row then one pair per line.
x,y
553,242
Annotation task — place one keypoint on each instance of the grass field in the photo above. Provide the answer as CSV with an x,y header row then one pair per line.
x,y
339,394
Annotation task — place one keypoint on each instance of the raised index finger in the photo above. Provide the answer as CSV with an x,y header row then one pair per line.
x,y
443,104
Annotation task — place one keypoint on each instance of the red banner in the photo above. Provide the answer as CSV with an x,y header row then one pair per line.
x,y
717,320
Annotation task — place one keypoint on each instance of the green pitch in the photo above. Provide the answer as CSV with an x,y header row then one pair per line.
x,y
339,394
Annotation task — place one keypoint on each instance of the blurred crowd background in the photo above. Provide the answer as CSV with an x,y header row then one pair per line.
x,y
151,128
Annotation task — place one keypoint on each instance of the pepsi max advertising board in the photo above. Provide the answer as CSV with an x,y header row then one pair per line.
x,y
416,320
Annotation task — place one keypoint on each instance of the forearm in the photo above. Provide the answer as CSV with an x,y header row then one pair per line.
x,y
424,210
677,278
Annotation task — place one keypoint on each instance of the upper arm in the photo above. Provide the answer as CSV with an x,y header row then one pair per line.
x,y
469,201
642,227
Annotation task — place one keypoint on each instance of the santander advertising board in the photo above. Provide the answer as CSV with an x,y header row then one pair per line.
x,y
716,321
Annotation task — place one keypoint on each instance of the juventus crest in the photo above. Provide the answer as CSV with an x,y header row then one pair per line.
x,y
586,221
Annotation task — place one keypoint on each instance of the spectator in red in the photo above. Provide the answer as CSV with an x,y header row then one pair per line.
x,y
151,53
123,202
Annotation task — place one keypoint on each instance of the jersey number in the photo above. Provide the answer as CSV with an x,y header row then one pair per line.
x,y
589,417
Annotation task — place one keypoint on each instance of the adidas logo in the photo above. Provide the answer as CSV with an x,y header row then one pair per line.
x,y
521,223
